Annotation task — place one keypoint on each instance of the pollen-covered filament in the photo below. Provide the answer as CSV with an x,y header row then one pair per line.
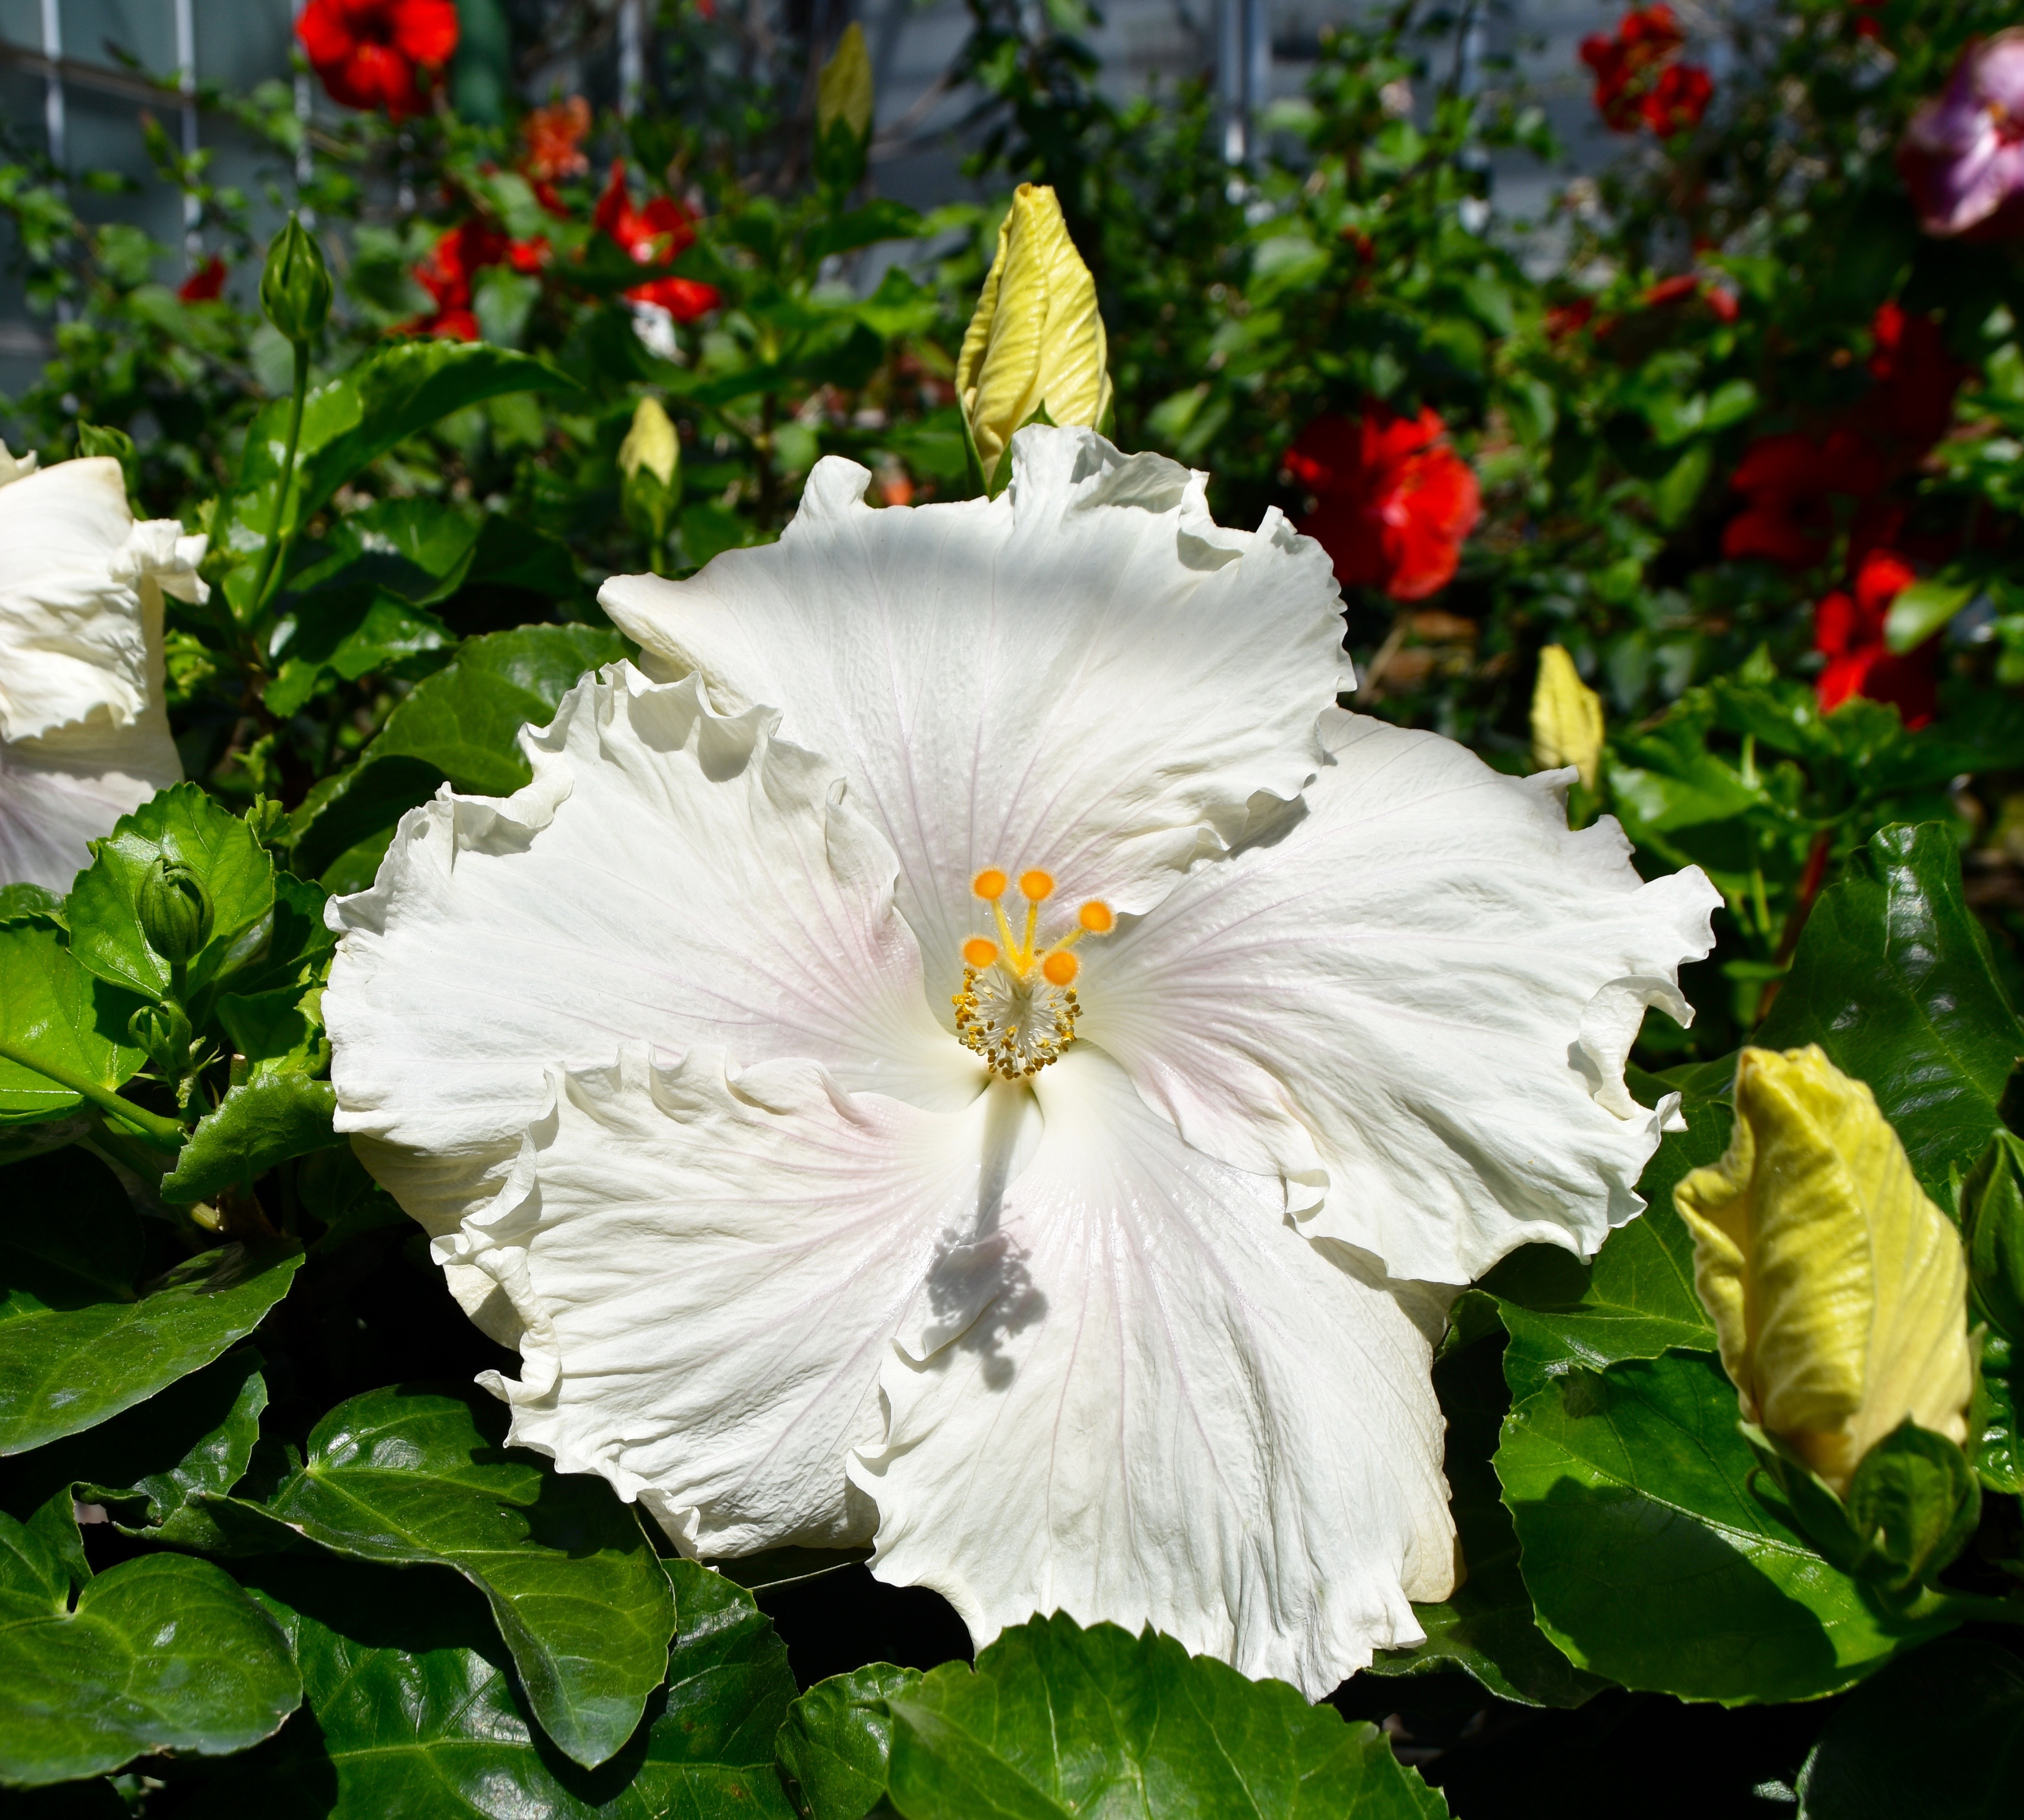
x,y
1017,1006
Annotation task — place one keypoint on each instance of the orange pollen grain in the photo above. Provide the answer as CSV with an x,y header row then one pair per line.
x,y
1034,886
1096,918
1058,969
989,884
978,953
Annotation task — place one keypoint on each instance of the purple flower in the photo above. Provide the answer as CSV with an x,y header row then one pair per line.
x,y
1962,155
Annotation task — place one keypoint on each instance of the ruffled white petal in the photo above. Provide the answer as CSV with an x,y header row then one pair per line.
x,y
1414,1002
84,731
75,572
1087,676
671,877
1140,1396
707,1272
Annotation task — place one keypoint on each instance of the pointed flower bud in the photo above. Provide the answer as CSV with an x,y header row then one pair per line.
x,y
650,461
294,288
843,88
175,911
1036,347
1567,717
1838,1290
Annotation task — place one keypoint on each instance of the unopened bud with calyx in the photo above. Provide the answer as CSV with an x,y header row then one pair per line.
x,y
1992,1223
1035,350
175,912
844,99
295,287
649,467
1567,717
1838,1293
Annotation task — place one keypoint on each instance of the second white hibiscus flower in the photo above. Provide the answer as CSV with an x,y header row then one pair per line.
x,y
694,1056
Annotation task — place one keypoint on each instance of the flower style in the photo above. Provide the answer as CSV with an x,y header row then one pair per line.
x,y
653,235
370,53
84,734
1849,629
968,1049
1394,503
1963,154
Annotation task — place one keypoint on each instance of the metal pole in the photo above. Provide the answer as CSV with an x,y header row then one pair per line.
x,y
304,168
1229,78
1257,73
186,81
52,90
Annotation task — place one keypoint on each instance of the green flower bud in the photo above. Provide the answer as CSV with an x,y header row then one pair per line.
x,y
649,464
294,289
1993,1222
176,912
162,1034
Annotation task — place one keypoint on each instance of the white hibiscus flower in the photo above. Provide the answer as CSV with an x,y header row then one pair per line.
x,y
1294,1020
84,735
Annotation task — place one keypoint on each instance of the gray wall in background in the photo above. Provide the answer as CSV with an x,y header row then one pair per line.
x,y
1264,46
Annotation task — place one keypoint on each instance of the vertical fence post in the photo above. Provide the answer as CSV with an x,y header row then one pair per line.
x,y
185,17
52,88
632,56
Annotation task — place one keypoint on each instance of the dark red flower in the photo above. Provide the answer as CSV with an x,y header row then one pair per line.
x,y
1791,482
1866,26
653,235
446,274
1916,379
1563,320
1639,80
1393,502
1849,631
1677,100
206,283
370,53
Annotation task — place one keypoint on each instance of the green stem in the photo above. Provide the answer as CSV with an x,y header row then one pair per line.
x,y
164,1133
287,480
1972,1606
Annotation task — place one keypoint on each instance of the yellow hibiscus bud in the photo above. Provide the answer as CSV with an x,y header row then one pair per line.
x,y
1037,341
1567,717
843,86
650,444
1838,1290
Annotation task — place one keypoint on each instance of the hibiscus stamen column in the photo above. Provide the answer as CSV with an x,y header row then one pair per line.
x,y
1016,1006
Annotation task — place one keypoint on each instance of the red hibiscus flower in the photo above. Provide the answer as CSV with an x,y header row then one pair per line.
x,y
1916,379
653,235
554,138
206,283
1638,78
1791,482
1393,501
457,258
370,53
1848,629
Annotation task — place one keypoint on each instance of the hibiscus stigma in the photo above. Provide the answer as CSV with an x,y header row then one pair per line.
x,y
1017,1006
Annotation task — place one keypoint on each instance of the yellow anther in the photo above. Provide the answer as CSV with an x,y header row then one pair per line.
x,y
989,884
1035,886
1096,917
1058,969
978,953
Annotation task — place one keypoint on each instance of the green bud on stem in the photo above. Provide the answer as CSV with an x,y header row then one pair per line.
x,y
176,912
294,289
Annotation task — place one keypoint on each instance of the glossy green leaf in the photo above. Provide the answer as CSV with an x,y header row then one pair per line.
x,y
299,947
465,720
580,1598
1636,1299
1649,1559
1486,1625
191,1440
276,1031
53,1010
181,824
366,800
25,903
418,1714
1892,979
837,1740
1922,609
161,1653
1998,1457
1941,1733
1055,1720
79,1341
263,1121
